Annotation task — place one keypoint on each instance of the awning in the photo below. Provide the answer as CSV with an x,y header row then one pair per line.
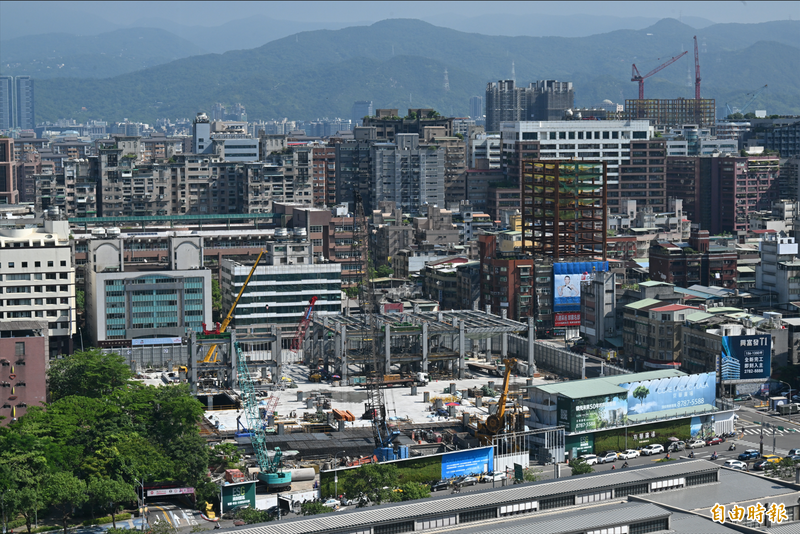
x,y
745,269
616,341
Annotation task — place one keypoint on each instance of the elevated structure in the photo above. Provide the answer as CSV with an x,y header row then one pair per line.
x,y
673,112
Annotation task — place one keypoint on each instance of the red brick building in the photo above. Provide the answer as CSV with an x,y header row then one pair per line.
x,y
506,279
23,366
695,262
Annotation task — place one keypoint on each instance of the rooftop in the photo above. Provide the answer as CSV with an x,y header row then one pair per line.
x,y
642,304
608,385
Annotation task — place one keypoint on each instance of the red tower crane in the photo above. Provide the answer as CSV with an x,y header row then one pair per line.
x,y
636,77
696,71
300,333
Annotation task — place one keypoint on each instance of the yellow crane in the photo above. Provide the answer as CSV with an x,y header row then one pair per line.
x,y
496,423
211,355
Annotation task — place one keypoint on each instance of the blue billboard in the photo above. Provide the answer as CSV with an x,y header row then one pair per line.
x,y
746,358
567,278
670,393
467,462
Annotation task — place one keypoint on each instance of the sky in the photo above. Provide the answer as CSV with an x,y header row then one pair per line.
x,y
215,13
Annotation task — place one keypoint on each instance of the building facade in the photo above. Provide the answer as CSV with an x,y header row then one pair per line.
x,y
673,113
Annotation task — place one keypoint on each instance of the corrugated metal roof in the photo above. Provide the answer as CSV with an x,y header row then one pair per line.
x,y
568,523
682,523
698,316
450,504
639,304
607,385
653,283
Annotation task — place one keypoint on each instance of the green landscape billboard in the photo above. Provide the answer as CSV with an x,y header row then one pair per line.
x,y
592,413
241,493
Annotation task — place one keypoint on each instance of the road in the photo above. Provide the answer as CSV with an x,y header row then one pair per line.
x,y
176,515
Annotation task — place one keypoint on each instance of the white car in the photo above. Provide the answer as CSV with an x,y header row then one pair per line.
x,y
608,457
498,477
628,454
332,503
696,444
655,448
590,459
735,464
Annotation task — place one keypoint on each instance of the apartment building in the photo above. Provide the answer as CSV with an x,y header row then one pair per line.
x,y
24,358
9,173
37,280
506,281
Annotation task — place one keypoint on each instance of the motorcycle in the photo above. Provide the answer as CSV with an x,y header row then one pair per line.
x,y
624,465
732,447
691,454
714,456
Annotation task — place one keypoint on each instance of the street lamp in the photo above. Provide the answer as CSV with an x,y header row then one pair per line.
x,y
790,397
144,513
336,475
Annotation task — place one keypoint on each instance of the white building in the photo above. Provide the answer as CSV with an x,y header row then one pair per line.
x,y
281,287
231,143
484,151
164,299
37,279
779,270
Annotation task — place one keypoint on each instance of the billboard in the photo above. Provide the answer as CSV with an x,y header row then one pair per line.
x,y
567,278
745,358
567,319
591,413
233,495
670,393
467,462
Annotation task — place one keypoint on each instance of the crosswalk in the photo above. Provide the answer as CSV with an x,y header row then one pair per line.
x,y
756,431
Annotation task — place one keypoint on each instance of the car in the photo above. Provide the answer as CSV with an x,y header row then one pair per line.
x,y
772,458
607,457
759,465
695,444
749,454
676,446
795,458
468,481
498,477
653,448
628,454
590,459
332,503
734,464
714,441
793,452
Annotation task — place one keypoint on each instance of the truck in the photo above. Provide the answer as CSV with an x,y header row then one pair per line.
x,y
405,379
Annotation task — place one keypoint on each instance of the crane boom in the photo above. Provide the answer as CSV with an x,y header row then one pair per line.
x,y
495,423
696,71
224,326
752,99
636,77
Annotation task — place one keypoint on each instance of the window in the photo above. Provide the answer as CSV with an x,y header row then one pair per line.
x,y
557,502
650,526
530,136
19,348
63,263
24,264
705,478
37,264
477,515
640,135
552,135
315,229
50,263
395,528
636,489
11,265
610,530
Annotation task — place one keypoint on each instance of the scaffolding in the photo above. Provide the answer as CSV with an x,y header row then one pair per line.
x,y
564,208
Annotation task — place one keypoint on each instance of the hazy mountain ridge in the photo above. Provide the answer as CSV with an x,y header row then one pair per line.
x,y
320,73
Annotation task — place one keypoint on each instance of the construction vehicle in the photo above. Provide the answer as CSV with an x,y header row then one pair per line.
x,y
499,422
271,468
300,333
636,77
211,355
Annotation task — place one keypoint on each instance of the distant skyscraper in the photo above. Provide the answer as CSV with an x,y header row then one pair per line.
x,y
6,102
24,103
446,81
361,109
476,107
218,112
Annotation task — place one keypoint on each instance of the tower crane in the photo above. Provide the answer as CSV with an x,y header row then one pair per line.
x,y
636,77
211,355
376,405
747,104
696,71
302,326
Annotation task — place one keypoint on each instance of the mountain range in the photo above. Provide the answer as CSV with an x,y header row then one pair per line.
x,y
400,63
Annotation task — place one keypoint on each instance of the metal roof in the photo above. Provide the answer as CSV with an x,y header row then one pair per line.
x,y
475,322
698,316
453,504
653,283
639,304
576,522
683,523
171,218
607,385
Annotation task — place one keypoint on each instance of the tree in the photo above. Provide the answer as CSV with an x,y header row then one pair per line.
x,y
641,393
251,515
314,508
370,480
414,490
80,299
384,271
65,492
88,374
108,494
580,467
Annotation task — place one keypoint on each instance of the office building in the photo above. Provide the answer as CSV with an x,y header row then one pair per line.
x,y
6,102
784,139
281,287
424,122
545,100
504,103
408,174
24,355
24,102
38,280
354,168
165,298
229,142
361,109
672,113
779,269
548,100
476,107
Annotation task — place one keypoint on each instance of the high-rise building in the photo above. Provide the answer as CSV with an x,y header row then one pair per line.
x,y
6,102
23,97
673,113
504,103
545,100
354,168
549,99
361,109
564,212
408,174
476,107
9,172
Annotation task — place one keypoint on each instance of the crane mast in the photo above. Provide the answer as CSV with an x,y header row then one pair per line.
x,y
376,403
696,71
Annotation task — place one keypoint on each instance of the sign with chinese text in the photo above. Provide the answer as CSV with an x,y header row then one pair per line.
x,y
238,494
169,491
745,358
568,319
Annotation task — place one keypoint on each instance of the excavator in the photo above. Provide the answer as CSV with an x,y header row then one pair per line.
x,y
497,423
211,355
